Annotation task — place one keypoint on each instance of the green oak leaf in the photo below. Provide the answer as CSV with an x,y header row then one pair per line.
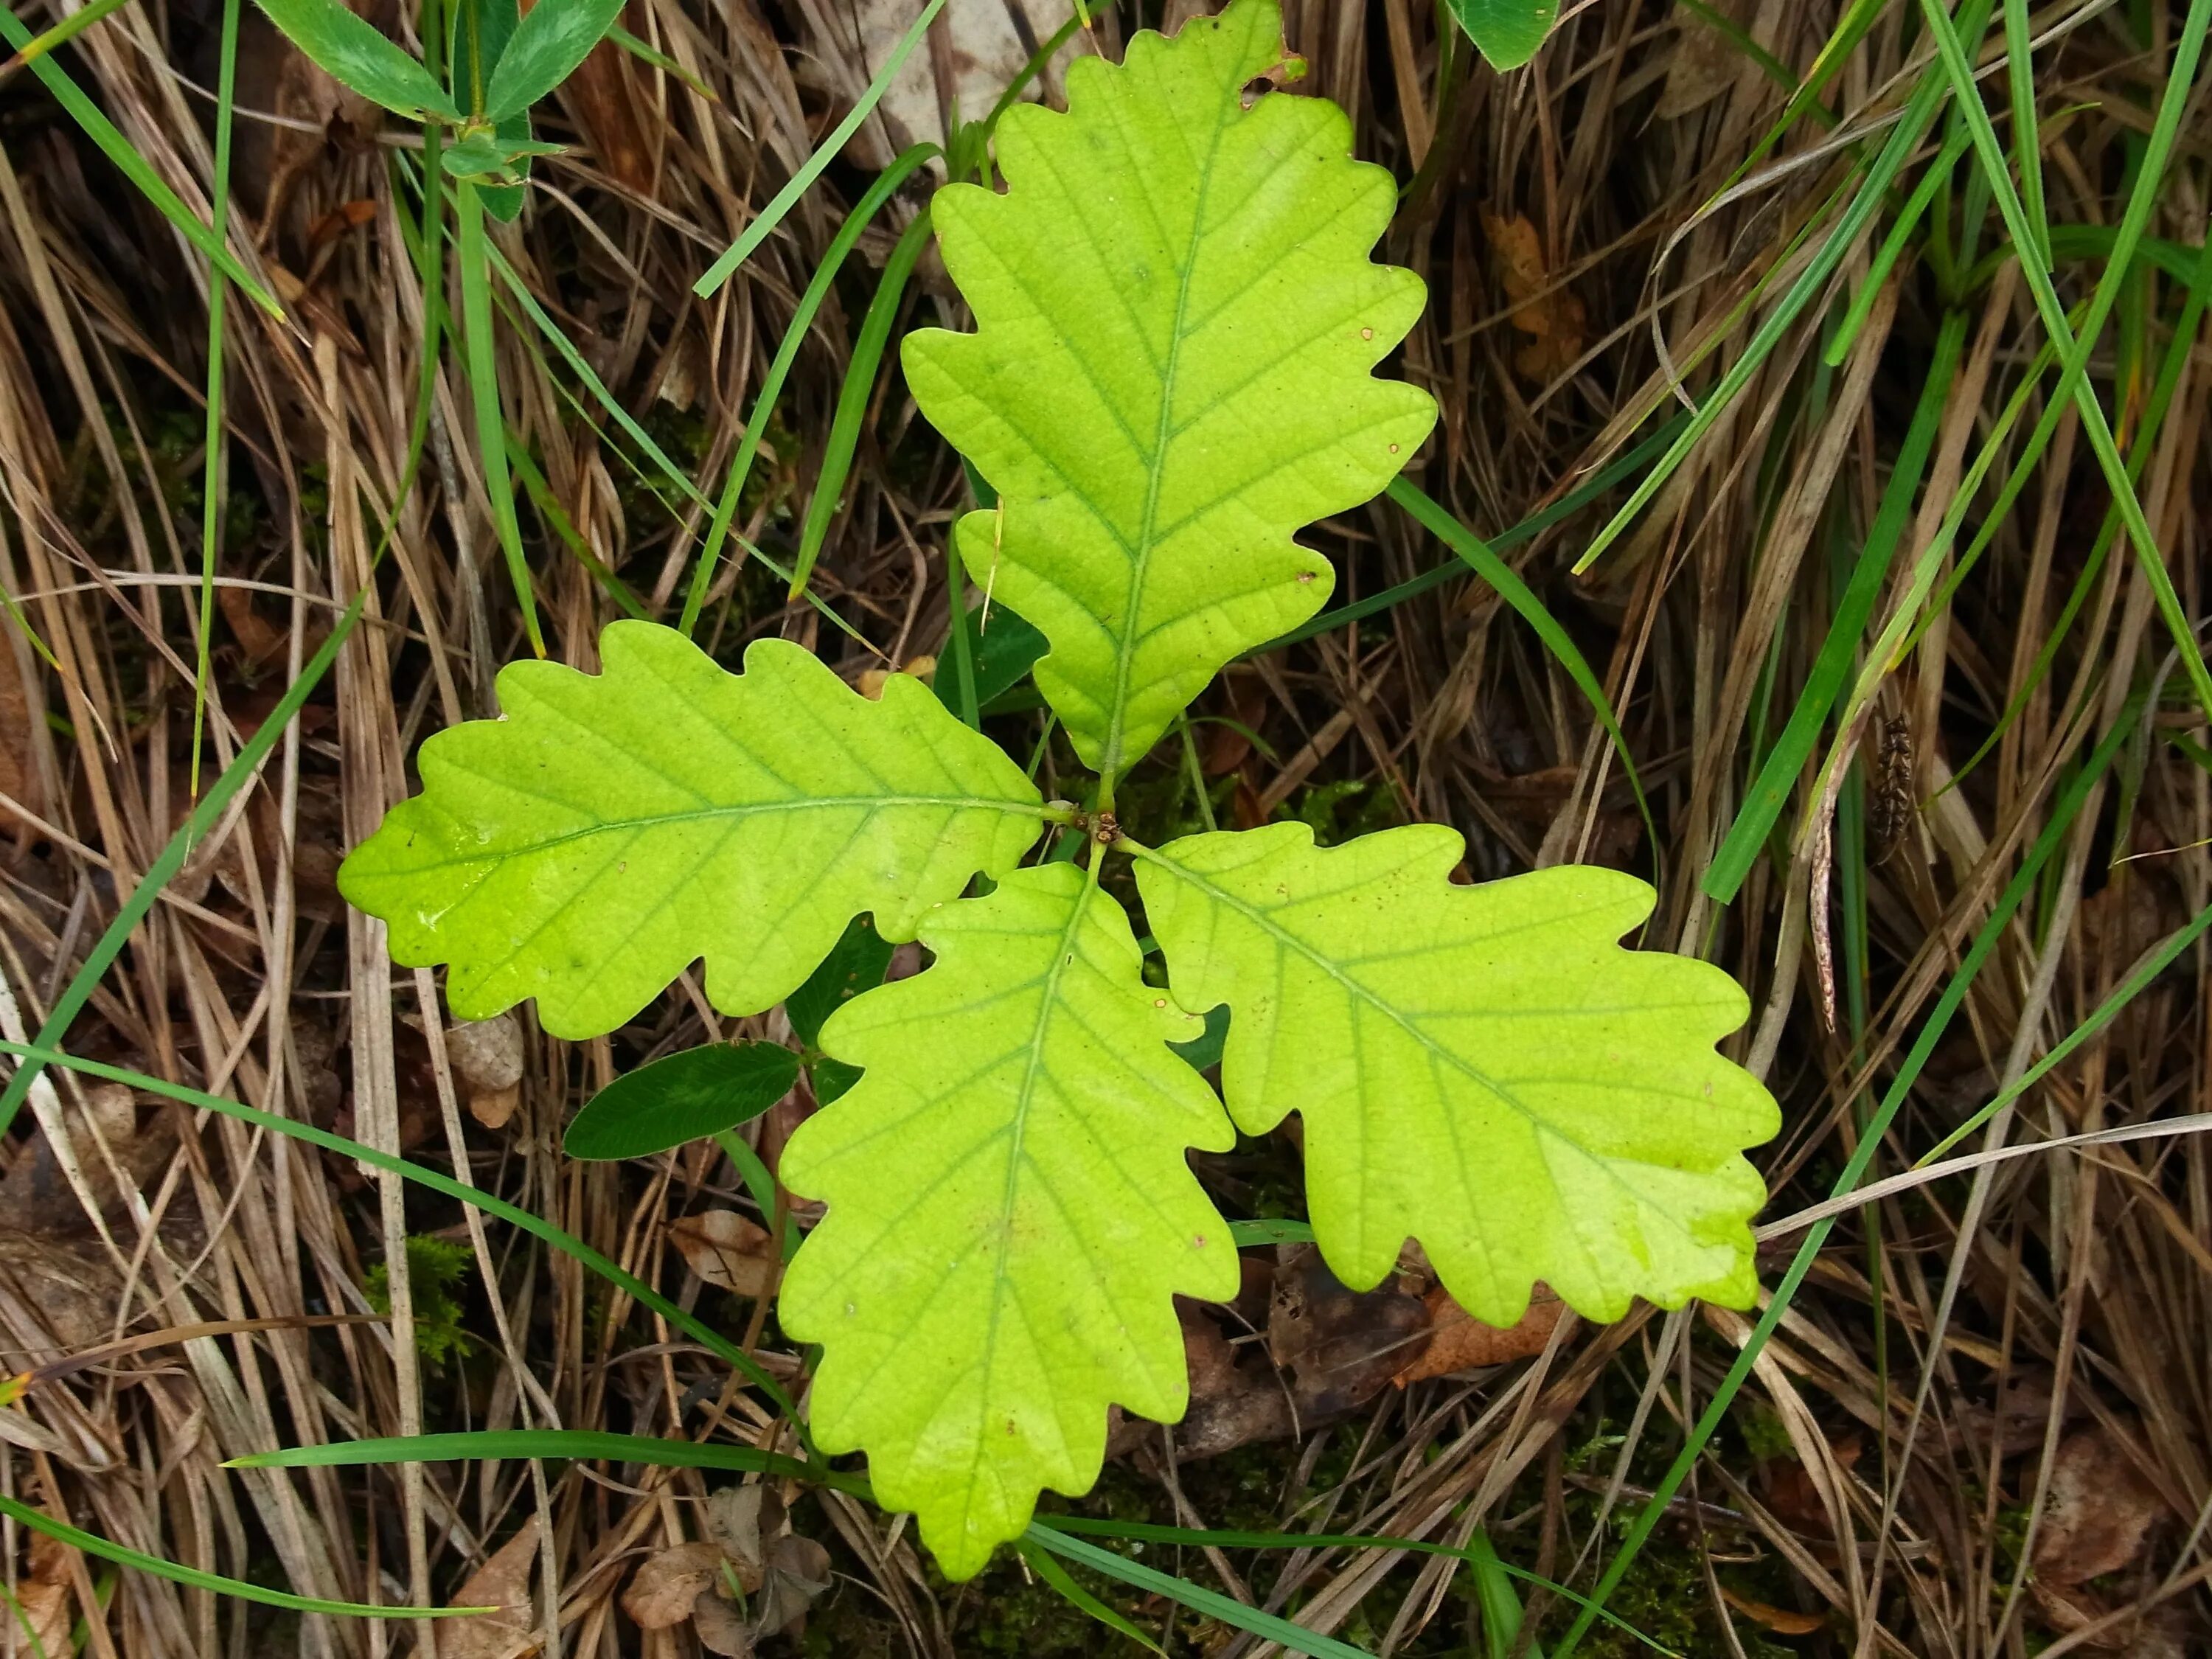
x,y
1484,1068
1011,1213
612,829
1177,321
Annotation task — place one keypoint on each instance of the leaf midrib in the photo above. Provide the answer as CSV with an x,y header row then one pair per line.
x,y
713,814
1352,987
1110,762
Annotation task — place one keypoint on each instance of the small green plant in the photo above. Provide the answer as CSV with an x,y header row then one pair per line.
x,y
1178,320
435,1268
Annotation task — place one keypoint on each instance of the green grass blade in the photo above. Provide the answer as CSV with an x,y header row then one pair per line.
x,y
764,401
39,1054
2027,133
1293,1637
549,508
2182,342
2073,384
211,486
63,32
1148,1532
1041,1562
93,1544
1528,529
1485,563
118,149
772,216
1893,247
164,868
2152,966
1904,138
853,396
1270,1229
568,1445
2064,812
477,344
1770,791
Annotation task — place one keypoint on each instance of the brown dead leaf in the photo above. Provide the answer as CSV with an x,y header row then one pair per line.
x,y
1552,315
603,96
721,1629
486,1055
727,1250
1781,1621
798,1574
1704,62
665,1586
2101,1507
743,1522
503,1581
19,760
1459,1342
44,1608
1342,1345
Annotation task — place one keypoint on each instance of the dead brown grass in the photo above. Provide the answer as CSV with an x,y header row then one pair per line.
x,y
2017,1451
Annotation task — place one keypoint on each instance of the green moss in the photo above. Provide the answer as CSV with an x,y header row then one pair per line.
x,y
435,1268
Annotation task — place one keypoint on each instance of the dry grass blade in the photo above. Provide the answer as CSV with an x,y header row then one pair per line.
x,y
1978,1424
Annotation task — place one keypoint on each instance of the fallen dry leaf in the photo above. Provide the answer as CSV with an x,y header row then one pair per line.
x,y
1459,1342
19,760
727,1250
743,1521
2100,1508
1552,315
1781,1621
486,1055
44,1608
503,1581
1703,63
1342,1345
665,1586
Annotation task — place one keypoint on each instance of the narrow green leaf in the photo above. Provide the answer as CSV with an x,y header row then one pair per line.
x,y
94,1544
1832,670
1482,1067
213,453
552,39
477,344
118,151
1272,1229
1177,323
1507,33
164,868
855,394
764,401
1290,1636
568,1445
680,1098
824,153
1011,1213
614,828
1041,1562
858,964
1481,559
354,52
35,1056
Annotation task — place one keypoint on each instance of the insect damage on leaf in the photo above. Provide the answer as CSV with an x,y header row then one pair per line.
x,y
1177,323
613,829
1483,1068
1011,1213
